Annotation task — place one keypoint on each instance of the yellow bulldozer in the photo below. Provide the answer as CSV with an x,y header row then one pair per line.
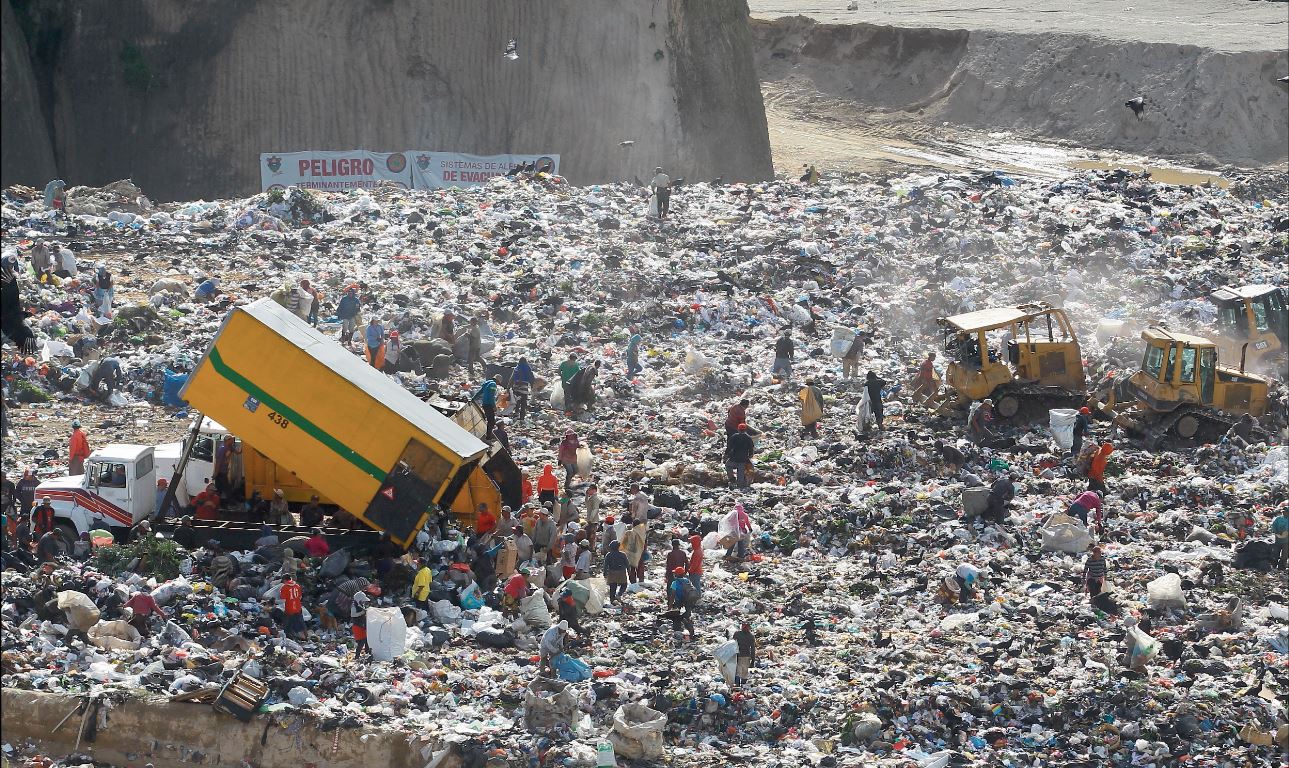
x,y
1256,316
1182,391
1026,358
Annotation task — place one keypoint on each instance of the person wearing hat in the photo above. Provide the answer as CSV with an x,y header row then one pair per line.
x,y
552,645
661,186
978,422
280,510
347,312
78,450
42,518
513,592
544,532
812,408
1082,427
739,451
358,617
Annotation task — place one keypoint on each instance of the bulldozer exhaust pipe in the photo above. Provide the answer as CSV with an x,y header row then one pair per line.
x,y
1244,351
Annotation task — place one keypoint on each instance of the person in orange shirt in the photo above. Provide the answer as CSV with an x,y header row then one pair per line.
x,y
1096,471
547,486
525,488
484,521
292,606
78,450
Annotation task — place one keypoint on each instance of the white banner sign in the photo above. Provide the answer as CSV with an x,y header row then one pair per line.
x,y
435,170
333,171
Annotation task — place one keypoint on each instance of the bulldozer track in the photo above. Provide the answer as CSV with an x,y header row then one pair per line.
x,y
1211,426
1034,401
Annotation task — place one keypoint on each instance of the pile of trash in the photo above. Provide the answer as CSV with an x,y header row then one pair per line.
x,y
894,626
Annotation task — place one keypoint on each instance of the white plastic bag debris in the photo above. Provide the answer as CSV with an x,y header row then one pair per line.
x,y
1061,425
386,633
1165,592
637,732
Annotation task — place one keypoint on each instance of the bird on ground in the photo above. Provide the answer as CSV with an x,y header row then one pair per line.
x,y
1138,106
512,49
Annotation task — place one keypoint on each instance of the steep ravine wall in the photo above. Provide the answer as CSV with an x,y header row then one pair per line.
x,y
183,97
1203,105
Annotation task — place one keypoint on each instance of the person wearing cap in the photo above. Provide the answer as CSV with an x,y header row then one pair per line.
x,y
567,455
78,450
347,312
661,186
186,535
311,514
316,545
421,584
746,652
812,408
552,645
739,451
544,532
42,518
280,510
1097,467
513,592
292,607
978,422
1082,427
358,626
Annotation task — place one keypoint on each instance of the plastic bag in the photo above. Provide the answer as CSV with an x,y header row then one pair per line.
x,y
1144,646
446,612
726,655
386,633
1166,592
534,611
584,459
1061,425
842,338
472,597
1062,533
695,362
115,636
557,396
81,612
570,669
637,732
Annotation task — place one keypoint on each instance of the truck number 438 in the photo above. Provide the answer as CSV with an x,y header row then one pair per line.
x,y
279,419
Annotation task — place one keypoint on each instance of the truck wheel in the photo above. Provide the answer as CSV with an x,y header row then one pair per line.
x,y
1008,406
1186,427
70,536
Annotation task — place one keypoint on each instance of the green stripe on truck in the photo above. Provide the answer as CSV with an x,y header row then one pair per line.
x,y
311,429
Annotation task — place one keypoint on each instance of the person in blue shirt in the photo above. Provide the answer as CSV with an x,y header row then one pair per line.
x,y
679,608
521,387
633,354
347,313
487,397
208,290
1280,528
375,337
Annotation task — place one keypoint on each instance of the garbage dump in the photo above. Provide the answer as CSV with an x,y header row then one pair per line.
x,y
746,533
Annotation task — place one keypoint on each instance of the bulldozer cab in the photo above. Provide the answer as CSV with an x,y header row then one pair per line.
x,y
1256,314
1030,342
1178,369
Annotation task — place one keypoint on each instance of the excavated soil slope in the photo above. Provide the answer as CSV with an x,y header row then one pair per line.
x,y
1203,105
182,97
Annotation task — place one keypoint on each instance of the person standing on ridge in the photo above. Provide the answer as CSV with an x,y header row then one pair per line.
x,y
661,185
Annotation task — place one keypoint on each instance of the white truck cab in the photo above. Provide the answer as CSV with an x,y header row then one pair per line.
x,y
117,490
201,463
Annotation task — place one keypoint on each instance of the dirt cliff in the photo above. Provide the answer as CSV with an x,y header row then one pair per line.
x,y
182,97
1202,105
25,149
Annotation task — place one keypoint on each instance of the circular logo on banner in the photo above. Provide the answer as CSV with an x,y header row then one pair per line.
x,y
545,164
396,162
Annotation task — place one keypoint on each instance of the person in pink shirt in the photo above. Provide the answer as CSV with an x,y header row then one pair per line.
x,y
696,561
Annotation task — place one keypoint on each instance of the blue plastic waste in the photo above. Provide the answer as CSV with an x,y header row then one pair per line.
x,y
170,390
570,669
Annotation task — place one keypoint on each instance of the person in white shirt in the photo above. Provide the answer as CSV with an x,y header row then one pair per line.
x,y
661,185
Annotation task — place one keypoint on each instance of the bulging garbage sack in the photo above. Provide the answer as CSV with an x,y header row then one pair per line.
x,y
534,611
584,459
726,655
386,633
570,669
557,396
1165,592
1061,424
81,611
842,338
547,704
637,732
115,636
1062,533
695,362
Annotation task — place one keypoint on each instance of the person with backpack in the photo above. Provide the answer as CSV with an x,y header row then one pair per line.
x,y
682,596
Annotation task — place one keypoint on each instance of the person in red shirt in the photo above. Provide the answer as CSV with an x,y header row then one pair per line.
x,y
42,518
924,382
485,521
516,589
78,450
737,415
1096,470
696,561
316,545
547,486
142,606
293,606
208,510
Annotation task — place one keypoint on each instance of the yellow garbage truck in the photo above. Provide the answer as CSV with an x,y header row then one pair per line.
x,y
340,426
